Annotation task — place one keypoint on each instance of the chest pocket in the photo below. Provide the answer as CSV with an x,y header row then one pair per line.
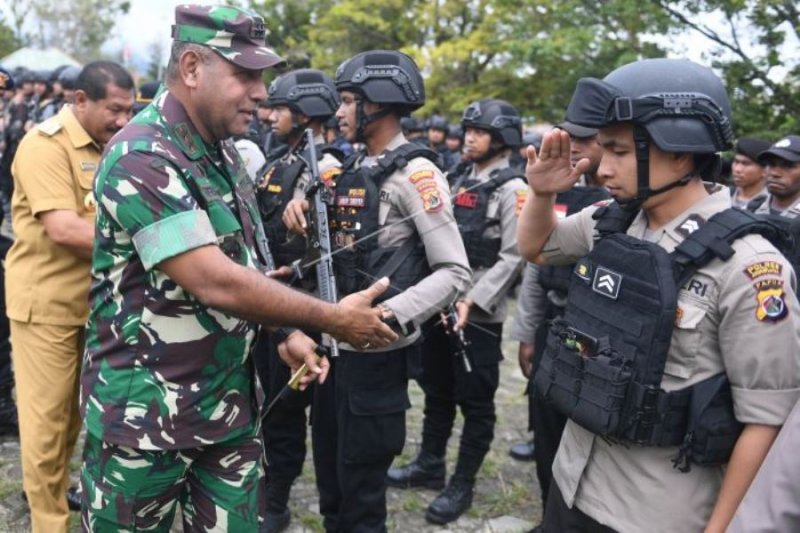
x,y
686,337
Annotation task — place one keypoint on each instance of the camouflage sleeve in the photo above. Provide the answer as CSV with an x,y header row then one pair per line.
x,y
151,202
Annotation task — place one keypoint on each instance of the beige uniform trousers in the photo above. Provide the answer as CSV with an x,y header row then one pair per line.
x,y
47,361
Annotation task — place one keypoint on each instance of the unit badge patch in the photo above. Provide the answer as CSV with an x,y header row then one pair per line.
x,y
763,268
771,300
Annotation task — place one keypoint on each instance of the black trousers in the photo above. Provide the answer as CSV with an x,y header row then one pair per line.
x,y
558,518
284,429
547,424
8,412
448,385
358,427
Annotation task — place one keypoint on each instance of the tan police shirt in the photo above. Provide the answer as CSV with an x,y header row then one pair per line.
x,y
415,204
53,169
793,211
490,285
329,167
740,317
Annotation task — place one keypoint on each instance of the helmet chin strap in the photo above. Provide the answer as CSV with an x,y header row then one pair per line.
x,y
643,191
363,119
494,149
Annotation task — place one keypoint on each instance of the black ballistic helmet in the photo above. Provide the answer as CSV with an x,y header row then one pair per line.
x,y
438,122
498,117
69,77
680,106
455,131
307,91
384,77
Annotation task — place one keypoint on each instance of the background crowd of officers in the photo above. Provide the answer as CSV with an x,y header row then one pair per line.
x,y
431,205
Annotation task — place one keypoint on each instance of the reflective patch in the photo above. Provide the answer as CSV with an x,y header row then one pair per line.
x,y
763,268
771,302
522,194
607,283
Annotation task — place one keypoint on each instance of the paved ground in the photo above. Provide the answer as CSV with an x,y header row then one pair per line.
x,y
506,499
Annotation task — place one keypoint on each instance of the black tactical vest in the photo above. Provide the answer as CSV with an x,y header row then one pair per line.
x,y
469,208
358,260
276,185
556,278
604,361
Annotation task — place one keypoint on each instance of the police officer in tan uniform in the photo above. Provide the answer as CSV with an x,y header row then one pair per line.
x,y
47,278
391,216
488,195
781,163
735,323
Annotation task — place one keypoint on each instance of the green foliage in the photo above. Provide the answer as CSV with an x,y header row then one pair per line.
x,y
8,39
532,52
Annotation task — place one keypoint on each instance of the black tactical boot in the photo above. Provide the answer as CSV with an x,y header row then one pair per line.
x,y
426,470
522,451
451,503
277,517
8,412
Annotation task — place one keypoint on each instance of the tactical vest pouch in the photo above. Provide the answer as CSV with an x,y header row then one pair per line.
x,y
712,430
586,380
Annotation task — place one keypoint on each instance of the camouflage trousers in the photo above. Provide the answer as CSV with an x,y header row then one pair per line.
x,y
219,487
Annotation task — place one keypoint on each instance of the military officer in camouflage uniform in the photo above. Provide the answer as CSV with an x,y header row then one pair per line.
x,y
298,100
488,196
391,216
178,288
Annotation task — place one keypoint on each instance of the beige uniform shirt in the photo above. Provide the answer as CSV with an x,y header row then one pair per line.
x,y
490,285
793,211
414,203
329,168
53,169
724,324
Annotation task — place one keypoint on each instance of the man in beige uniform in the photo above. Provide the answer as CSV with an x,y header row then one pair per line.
x,y
391,216
738,316
47,278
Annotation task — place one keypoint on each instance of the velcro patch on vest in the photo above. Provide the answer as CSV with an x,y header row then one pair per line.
x,y
583,269
763,268
262,183
466,199
274,188
691,224
522,194
607,283
771,300
354,198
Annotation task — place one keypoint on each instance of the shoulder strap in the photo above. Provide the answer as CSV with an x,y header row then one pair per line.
x,y
397,258
612,219
503,176
714,238
756,202
398,158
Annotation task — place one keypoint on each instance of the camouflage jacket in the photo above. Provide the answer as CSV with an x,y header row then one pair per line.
x,y
161,370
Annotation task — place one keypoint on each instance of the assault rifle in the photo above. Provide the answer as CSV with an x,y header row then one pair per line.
x,y
457,338
318,249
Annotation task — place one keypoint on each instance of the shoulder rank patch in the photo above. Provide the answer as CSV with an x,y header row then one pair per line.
x,y
771,301
328,176
421,175
522,194
763,268
607,283
690,224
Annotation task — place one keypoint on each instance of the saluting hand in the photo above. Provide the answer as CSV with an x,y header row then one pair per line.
x,y
359,324
552,172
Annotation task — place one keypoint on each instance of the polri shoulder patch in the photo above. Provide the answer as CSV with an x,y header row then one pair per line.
x,y
421,175
763,268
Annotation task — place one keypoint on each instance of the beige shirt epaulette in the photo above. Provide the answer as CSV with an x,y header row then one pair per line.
x,y
740,317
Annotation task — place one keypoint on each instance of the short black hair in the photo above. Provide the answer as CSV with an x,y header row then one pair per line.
x,y
95,76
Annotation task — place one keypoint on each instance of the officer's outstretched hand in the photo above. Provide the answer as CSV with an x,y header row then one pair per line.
x,y
294,216
359,323
282,272
551,171
298,350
